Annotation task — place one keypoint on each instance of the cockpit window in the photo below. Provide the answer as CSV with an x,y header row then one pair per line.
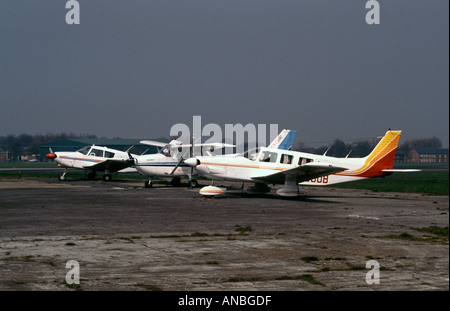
x,y
267,156
84,150
165,151
96,152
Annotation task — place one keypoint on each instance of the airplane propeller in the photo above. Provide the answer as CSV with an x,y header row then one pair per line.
x,y
131,159
191,151
50,155
192,162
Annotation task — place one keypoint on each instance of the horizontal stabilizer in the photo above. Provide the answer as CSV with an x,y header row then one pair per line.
x,y
400,170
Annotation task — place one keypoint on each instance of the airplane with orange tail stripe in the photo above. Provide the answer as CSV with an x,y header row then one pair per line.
x,y
293,168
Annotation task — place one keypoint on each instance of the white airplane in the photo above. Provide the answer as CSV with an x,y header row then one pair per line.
x,y
169,162
93,158
275,166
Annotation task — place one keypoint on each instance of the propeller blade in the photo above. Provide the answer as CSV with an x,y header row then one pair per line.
x,y
176,166
192,154
130,159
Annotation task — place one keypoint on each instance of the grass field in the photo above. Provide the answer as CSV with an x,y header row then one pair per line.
x,y
432,182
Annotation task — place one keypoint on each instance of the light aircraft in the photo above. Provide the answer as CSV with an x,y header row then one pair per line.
x,y
94,158
275,166
169,162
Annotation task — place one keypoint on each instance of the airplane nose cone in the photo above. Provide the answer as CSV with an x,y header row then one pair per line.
x,y
192,162
51,155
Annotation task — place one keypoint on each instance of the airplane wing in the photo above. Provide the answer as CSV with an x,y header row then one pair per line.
x,y
178,144
153,143
215,145
301,173
113,165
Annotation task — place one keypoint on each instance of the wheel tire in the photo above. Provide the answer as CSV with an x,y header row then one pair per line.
x,y
193,183
107,177
148,184
62,178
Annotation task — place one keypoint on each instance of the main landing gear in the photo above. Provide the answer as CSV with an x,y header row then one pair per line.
x,y
148,183
63,176
193,183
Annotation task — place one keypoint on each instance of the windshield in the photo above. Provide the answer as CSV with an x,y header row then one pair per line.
x,y
165,150
250,154
84,150
267,156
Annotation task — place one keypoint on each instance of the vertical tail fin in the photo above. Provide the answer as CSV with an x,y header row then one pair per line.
x,y
284,140
381,157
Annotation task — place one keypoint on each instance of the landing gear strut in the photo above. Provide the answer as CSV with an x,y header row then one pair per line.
x,y
63,176
148,183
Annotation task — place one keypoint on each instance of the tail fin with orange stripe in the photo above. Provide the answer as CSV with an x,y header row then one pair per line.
x,y
381,158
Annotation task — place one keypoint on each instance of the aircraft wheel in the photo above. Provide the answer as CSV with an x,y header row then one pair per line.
x,y
148,184
107,177
62,178
193,183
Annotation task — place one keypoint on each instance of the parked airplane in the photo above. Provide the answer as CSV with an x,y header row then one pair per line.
x,y
169,162
93,158
269,166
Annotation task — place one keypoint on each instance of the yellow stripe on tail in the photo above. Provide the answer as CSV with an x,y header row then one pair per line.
x,y
382,157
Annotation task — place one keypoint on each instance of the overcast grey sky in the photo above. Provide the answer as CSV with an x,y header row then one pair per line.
x,y
134,68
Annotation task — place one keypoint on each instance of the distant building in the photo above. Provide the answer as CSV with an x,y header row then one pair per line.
x,y
3,156
75,144
428,155
400,157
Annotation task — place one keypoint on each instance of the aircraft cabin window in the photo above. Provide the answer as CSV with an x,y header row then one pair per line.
x,y
268,156
109,154
286,159
302,161
96,152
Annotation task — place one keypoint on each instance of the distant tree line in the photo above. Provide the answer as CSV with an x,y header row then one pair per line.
x,y
362,148
25,144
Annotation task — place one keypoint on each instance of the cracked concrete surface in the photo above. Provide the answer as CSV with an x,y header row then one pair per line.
x,y
126,237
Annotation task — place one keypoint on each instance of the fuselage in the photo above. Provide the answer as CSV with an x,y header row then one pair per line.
x,y
266,161
161,165
88,156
